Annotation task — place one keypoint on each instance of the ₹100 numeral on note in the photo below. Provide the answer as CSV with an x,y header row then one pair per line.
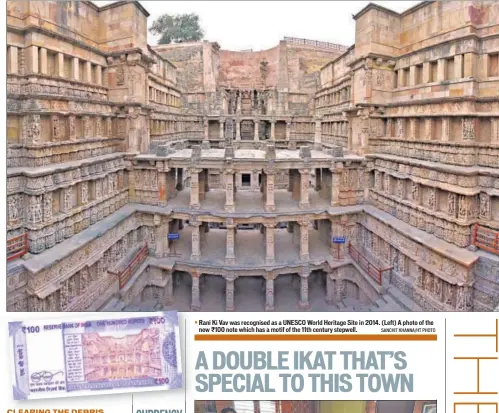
x,y
65,358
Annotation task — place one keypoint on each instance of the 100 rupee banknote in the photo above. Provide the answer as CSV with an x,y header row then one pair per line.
x,y
58,358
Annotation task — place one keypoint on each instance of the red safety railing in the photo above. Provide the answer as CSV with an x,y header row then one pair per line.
x,y
486,239
126,273
367,265
17,246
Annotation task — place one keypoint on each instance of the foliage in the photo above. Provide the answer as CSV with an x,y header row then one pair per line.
x,y
177,28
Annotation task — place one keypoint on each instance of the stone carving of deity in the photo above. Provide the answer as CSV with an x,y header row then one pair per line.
x,y
451,204
484,205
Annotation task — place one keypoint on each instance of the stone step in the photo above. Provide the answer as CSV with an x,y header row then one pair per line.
x,y
399,298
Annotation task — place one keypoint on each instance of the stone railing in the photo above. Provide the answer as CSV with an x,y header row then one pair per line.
x,y
17,246
454,153
371,269
486,239
124,270
335,140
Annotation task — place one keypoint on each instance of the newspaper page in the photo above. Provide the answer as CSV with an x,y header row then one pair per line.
x,y
250,207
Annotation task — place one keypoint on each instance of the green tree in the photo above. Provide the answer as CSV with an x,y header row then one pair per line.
x,y
177,29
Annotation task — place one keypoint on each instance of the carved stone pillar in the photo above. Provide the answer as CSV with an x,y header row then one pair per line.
x,y
304,254
445,129
195,299
400,78
161,249
254,180
75,69
87,77
196,244
269,292
230,256
288,130
257,125
470,65
31,54
426,78
318,135
495,131
229,191
269,191
43,68
238,130
180,179
162,184
335,185
67,200
229,293
13,52
168,288
194,201
47,206
84,193
269,243
329,289
221,126
98,75
303,303
272,130
318,179
304,186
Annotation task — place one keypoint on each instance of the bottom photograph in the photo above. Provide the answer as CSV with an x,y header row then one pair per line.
x,y
315,406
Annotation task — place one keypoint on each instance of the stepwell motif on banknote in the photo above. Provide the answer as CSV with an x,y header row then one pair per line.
x,y
61,358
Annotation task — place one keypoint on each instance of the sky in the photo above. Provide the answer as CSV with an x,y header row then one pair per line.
x,y
260,25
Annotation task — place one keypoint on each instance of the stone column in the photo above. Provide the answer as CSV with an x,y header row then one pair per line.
x,y
32,59
162,184
88,72
229,293
318,135
195,299
412,75
269,292
304,185
238,130
411,133
257,126
161,225
269,191
47,207
304,304
194,201
221,126
470,65
230,256
400,78
304,254
441,69
458,66
98,75
196,245
329,289
272,130
445,129
288,130
76,68
318,179
229,191
428,129
254,180
337,230
335,184
495,130
13,60
426,72
269,243
206,135
43,67
168,289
